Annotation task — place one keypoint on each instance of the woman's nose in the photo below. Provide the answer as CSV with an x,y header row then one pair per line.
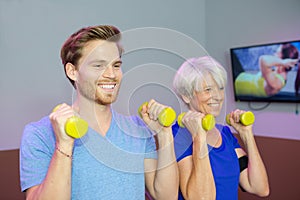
x,y
216,93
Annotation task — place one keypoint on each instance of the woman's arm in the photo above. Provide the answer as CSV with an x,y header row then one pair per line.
x,y
196,177
254,178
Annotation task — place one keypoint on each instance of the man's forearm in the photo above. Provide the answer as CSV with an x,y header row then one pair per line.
x,y
166,182
57,183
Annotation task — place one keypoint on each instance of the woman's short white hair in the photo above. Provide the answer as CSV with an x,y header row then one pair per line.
x,y
192,72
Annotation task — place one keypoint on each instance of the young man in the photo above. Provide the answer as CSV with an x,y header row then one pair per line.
x,y
117,157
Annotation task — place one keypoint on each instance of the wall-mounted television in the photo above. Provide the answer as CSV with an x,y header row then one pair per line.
x,y
266,72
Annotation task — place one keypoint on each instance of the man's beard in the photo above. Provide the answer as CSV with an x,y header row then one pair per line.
x,y
92,94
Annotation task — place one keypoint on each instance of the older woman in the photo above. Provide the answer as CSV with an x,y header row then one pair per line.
x,y
212,164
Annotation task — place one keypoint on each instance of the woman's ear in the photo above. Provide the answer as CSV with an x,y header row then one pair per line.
x,y
71,71
186,99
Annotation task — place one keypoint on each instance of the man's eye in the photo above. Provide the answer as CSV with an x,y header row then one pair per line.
x,y
117,65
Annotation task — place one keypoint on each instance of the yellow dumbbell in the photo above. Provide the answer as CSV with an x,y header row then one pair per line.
x,y
246,118
75,126
166,117
208,121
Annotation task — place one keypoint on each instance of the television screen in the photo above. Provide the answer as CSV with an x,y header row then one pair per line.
x,y
267,72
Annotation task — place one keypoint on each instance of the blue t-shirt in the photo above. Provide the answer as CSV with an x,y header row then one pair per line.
x,y
224,161
110,167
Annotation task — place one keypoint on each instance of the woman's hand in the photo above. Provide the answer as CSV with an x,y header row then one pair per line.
x,y
234,118
192,120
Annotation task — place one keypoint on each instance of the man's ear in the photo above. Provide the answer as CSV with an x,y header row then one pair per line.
x,y
71,71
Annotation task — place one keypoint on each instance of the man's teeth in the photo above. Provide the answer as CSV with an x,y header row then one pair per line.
x,y
108,86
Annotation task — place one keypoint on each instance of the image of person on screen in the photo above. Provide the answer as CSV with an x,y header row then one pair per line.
x,y
272,76
297,81
119,156
211,162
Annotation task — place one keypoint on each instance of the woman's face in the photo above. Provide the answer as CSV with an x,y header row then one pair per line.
x,y
209,99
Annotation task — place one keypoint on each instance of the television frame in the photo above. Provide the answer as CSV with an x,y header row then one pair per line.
x,y
237,66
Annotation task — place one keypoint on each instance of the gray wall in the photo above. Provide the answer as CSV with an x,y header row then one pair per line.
x,y
235,23
32,80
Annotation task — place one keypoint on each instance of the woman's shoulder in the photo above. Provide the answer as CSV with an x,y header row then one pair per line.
x,y
225,131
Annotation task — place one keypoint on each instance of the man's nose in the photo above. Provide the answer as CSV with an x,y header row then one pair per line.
x,y
109,72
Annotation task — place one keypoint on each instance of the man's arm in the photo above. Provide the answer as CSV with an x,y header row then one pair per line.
x,y
57,183
161,175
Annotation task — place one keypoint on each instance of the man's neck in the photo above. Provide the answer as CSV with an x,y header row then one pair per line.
x,y
98,116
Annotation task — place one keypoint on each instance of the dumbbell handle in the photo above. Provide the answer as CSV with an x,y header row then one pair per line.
x,y
246,118
75,126
208,121
166,117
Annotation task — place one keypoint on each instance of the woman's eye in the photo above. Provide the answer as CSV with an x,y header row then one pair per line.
x,y
207,89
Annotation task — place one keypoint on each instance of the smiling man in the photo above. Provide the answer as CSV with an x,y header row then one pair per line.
x,y
118,157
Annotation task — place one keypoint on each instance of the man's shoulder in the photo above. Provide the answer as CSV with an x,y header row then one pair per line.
x,y
44,122
41,128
